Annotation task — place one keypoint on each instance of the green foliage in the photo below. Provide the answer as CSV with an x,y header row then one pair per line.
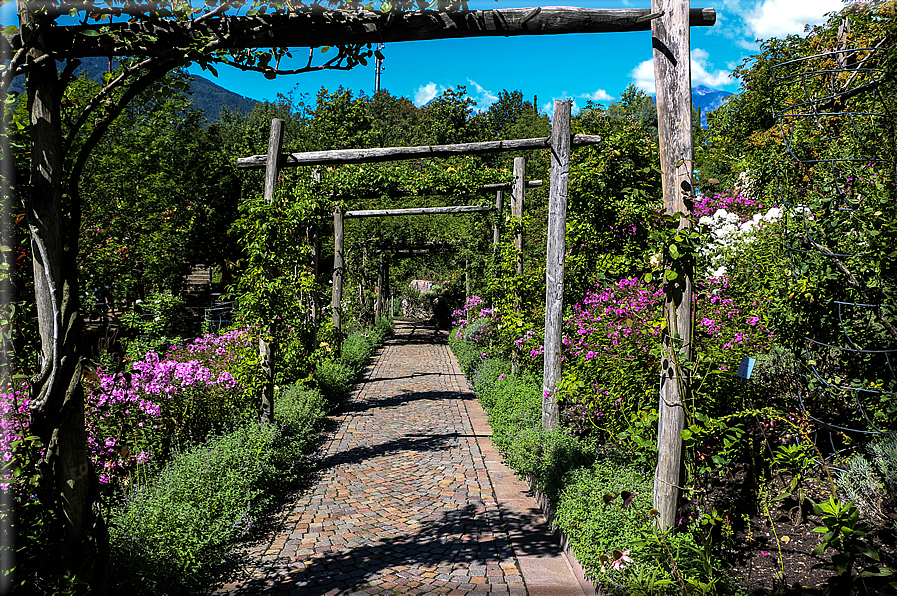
x,y
615,196
161,314
170,535
334,379
844,533
592,527
141,237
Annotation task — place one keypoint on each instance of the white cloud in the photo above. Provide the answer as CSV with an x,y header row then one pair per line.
x,y
483,97
702,73
643,76
778,18
427,92
597,96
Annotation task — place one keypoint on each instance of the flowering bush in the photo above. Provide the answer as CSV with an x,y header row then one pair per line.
x,y
139,415
612,350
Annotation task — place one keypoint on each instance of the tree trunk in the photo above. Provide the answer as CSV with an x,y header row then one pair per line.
x,y
57,398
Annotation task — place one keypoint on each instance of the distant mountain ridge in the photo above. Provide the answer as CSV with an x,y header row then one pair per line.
x,y
207,96
705,100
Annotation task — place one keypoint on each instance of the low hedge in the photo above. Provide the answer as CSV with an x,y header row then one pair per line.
x,y
172,532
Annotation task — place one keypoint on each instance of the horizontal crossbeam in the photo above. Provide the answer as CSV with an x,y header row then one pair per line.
x,y
420,211
381,154
165,37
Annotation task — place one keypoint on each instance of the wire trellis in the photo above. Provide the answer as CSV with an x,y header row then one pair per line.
x,y
831,129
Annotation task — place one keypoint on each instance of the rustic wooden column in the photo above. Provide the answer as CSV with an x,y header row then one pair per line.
x,y
517,194
554,267
672,76
496,225
267,348
338,264
378,305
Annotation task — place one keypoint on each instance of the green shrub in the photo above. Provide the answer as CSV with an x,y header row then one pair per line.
x,y
489,372
162,313
468,354
170,535
357,350
334,379
593,528
300,410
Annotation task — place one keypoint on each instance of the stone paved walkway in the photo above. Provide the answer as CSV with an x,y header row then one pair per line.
x,y
412,498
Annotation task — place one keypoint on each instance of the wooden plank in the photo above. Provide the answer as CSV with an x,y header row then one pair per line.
x,y
337,292
672,74
554,266
381,154
509,186
517,196
454,209
318,27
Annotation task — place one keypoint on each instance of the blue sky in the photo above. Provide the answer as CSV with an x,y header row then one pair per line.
x,y
577,67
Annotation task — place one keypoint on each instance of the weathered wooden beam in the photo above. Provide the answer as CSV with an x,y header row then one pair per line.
x,y
337,292
420,211
509,186
554,266
517,195
272,160
672,75
400,254
496,225
380,154
166,37
267,348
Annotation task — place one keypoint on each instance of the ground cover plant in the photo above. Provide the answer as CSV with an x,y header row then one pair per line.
x,y
186,469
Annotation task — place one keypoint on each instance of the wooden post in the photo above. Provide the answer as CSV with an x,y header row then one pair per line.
x,y
517,194
316,270
672,76
336,302
554,267
378,305
267,348
496,225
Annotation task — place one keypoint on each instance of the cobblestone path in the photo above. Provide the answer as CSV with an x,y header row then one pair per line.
x,y
405,503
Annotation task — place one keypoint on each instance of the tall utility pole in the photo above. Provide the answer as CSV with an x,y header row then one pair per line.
x,y
378,66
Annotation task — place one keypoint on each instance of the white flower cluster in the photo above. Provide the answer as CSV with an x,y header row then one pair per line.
x,y
727,232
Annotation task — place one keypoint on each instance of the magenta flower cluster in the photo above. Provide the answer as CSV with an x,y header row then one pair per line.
x,y
14,417
129,414
745,208
625,312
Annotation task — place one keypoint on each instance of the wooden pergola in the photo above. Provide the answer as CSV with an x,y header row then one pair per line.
x,y
162,41
669,21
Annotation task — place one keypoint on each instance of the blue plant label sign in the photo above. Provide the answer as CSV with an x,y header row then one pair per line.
x,y
745,368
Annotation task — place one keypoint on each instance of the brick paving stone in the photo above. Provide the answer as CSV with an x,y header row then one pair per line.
x,y
404,503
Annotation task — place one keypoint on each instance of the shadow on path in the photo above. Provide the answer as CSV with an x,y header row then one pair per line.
x,y
458,550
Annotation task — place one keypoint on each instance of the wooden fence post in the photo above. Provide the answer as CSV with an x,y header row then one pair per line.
x,y
554,267
517,195
496,223
672,75
267,349
338,264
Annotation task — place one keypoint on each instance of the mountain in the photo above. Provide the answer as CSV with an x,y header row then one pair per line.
x,y
206,95
705,100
